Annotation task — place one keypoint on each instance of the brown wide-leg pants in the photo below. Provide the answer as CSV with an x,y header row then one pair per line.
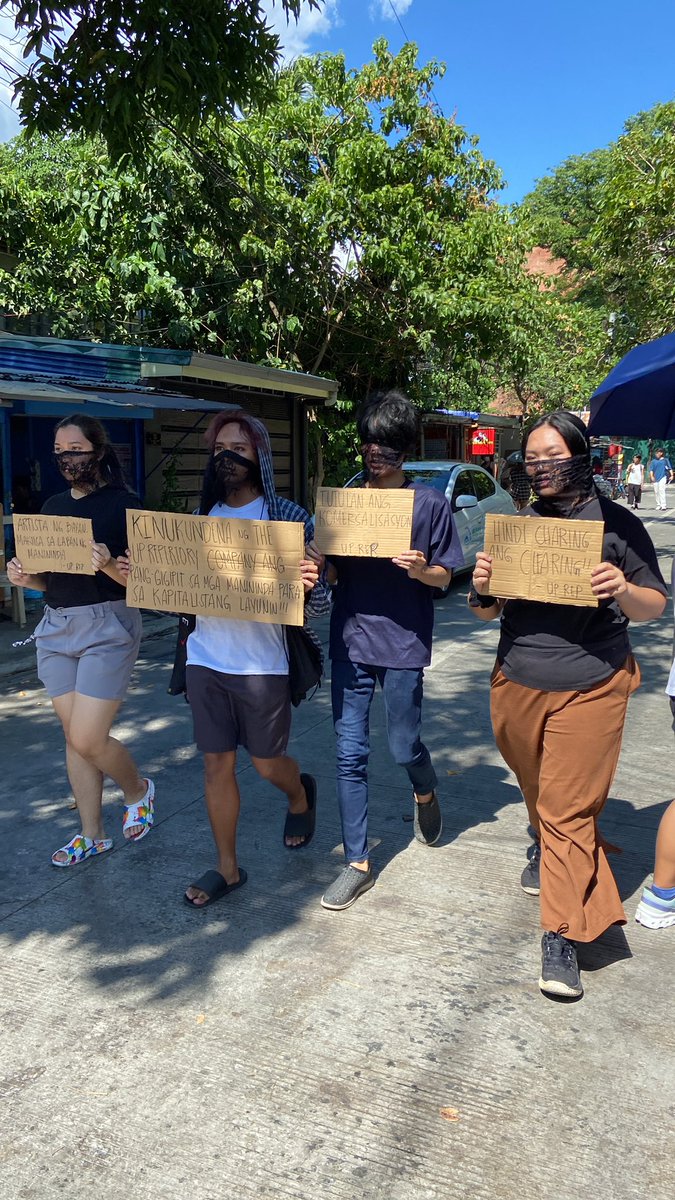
x,y
563,748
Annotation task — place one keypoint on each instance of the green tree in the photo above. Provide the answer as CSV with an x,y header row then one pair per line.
x,y
633,238
110,67
562,210
611,216
348,228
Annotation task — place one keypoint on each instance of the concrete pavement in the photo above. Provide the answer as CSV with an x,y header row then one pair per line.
x,y
268,1049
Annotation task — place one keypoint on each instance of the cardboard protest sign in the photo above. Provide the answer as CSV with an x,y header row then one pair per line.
x,y
364,522
216,566
45,543
542,558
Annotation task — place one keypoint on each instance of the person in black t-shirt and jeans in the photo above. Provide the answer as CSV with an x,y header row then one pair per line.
x,y
559,695
381,629
87,641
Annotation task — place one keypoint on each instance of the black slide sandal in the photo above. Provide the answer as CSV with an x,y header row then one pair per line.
x,y
302,824
215,886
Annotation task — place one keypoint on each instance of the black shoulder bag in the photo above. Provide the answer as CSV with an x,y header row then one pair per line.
x,y
305,662
303,650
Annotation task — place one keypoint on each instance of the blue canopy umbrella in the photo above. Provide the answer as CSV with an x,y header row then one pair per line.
x,y
637,399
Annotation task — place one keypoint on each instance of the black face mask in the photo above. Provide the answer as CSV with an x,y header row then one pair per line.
x,y
79,467
378,460
227,472
572,479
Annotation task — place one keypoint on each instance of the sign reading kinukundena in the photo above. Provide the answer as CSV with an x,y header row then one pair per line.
x,y
543,558
364,522
53,544
216,567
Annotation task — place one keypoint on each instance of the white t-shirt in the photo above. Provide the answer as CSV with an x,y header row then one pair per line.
x,y
635,474
238,647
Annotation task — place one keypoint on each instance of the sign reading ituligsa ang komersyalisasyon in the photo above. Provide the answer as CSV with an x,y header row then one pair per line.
x,y
216,567
45,543
364,522
543,558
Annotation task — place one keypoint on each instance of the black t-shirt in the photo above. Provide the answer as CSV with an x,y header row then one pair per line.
x,y
559,647
107,508
380,615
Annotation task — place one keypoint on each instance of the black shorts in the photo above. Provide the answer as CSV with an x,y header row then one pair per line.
x,y
253,711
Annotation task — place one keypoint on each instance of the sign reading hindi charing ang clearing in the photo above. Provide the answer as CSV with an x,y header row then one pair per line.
x,y
216,567
364,522
543,558
45,543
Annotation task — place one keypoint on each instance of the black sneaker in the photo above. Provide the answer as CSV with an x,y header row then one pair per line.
x,y
529,880
427,821
559,968
349,885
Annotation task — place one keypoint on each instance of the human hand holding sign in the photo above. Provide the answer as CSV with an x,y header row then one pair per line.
x,y
415,565
100,556
608,581
412,561
482,573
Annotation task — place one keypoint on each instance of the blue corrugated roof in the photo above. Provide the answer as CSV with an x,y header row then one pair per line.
x,y
80,359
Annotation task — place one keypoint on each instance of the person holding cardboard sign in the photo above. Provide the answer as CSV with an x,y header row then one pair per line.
x,y
87,642
559,694
237,673
381,631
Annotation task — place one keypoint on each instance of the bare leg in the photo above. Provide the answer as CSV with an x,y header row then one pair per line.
x,y
664,870
222,806
86,780
88,737
284,773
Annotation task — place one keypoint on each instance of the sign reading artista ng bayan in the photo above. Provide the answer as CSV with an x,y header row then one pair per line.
x,y
216,566
45,543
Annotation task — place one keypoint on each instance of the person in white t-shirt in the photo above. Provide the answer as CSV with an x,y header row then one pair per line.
x,y
237,670
635,478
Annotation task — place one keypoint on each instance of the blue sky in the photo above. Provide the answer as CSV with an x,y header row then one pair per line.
x,y
536,80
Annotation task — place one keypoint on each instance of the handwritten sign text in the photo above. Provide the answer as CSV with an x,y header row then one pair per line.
x,y
542,558
45,543
364,522
217,567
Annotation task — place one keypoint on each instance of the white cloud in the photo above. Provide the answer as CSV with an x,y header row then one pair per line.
x,y
296,36
382,9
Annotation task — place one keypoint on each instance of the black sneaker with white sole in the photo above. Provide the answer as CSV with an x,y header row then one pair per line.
x,y
559,967
529,880
428,821
349,885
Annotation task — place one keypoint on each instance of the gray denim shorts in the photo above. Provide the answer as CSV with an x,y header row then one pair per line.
x,y
253,711
90,649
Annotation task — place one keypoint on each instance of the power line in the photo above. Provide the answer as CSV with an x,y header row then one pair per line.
x,y
400,23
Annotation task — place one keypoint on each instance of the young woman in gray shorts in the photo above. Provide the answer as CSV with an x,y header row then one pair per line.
x,y
87,641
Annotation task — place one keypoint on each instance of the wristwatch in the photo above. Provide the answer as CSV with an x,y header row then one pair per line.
x,y
477,601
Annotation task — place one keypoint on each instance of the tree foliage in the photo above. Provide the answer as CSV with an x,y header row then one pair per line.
x,y
611,215
110,67
347,228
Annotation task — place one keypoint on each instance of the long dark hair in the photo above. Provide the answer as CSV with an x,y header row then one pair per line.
x,y
570,427
388,418
109,465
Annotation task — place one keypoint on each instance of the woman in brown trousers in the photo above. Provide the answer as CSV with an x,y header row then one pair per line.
x,y
559,694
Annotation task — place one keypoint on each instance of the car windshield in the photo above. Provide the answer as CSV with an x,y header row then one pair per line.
x,y
434,479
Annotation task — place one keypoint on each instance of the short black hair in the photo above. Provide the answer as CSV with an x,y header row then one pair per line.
x,y
390,419
570,427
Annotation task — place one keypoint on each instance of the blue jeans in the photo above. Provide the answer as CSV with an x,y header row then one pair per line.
x,y
352,691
